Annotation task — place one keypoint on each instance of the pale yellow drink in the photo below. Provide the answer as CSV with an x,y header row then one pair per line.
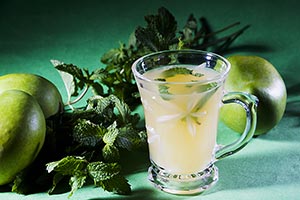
x,y
181,119
181,92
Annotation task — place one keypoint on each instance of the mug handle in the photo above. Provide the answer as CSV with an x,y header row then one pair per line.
x,y
249,102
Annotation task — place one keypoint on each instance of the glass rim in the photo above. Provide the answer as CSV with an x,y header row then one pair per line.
x,y
221,76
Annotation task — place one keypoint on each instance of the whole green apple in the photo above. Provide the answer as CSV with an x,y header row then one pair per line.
x,y
22,132
40,88
257,76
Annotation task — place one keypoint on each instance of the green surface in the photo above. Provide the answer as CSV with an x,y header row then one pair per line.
x,y
79,32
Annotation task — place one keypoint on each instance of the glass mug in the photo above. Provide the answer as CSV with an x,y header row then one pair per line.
x,y
181,93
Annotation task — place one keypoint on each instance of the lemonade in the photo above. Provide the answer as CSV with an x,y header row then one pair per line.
x,y
181,113
182,92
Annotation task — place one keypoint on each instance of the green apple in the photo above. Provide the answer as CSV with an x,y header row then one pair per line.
x,y
40,88
257,76
22,132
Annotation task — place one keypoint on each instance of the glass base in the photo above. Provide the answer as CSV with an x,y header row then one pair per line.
x,y
183,184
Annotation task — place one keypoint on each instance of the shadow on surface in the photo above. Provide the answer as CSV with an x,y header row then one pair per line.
x,y
5,188
134,161
293,109
254,48
143,194
261,170
288,128
294,90
293,106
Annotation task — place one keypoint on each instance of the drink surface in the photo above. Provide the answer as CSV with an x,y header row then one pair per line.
x,y
181,113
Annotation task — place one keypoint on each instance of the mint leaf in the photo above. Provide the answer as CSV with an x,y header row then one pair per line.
x,y
107,176
67,78
76,182
97,74
73,77
122,108
78,81
130,138
74,167
103,108
111,134
118,184
160,32
160,79
115,55
112,109
179,70
88,133
110,153
69,165
100,171
78,170
163,89
18,185
175,71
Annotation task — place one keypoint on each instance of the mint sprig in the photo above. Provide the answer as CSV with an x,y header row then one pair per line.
x,y
105,175
99,132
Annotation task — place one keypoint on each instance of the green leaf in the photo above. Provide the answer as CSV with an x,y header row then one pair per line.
x,y
180,70
175,71
111,134
69,165
190,29
100,171
99,104
71,69
76,79
130,138
110,153
67,78
97,89
115,56
123,108
76,182
18,185
98,74
164,92
160,31
118,184
164,88
87,133
103,108
107,176
112,109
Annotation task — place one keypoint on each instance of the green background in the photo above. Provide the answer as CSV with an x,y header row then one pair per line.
x,y
33,32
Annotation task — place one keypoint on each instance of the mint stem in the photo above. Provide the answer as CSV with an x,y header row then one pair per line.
x,y
70,103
